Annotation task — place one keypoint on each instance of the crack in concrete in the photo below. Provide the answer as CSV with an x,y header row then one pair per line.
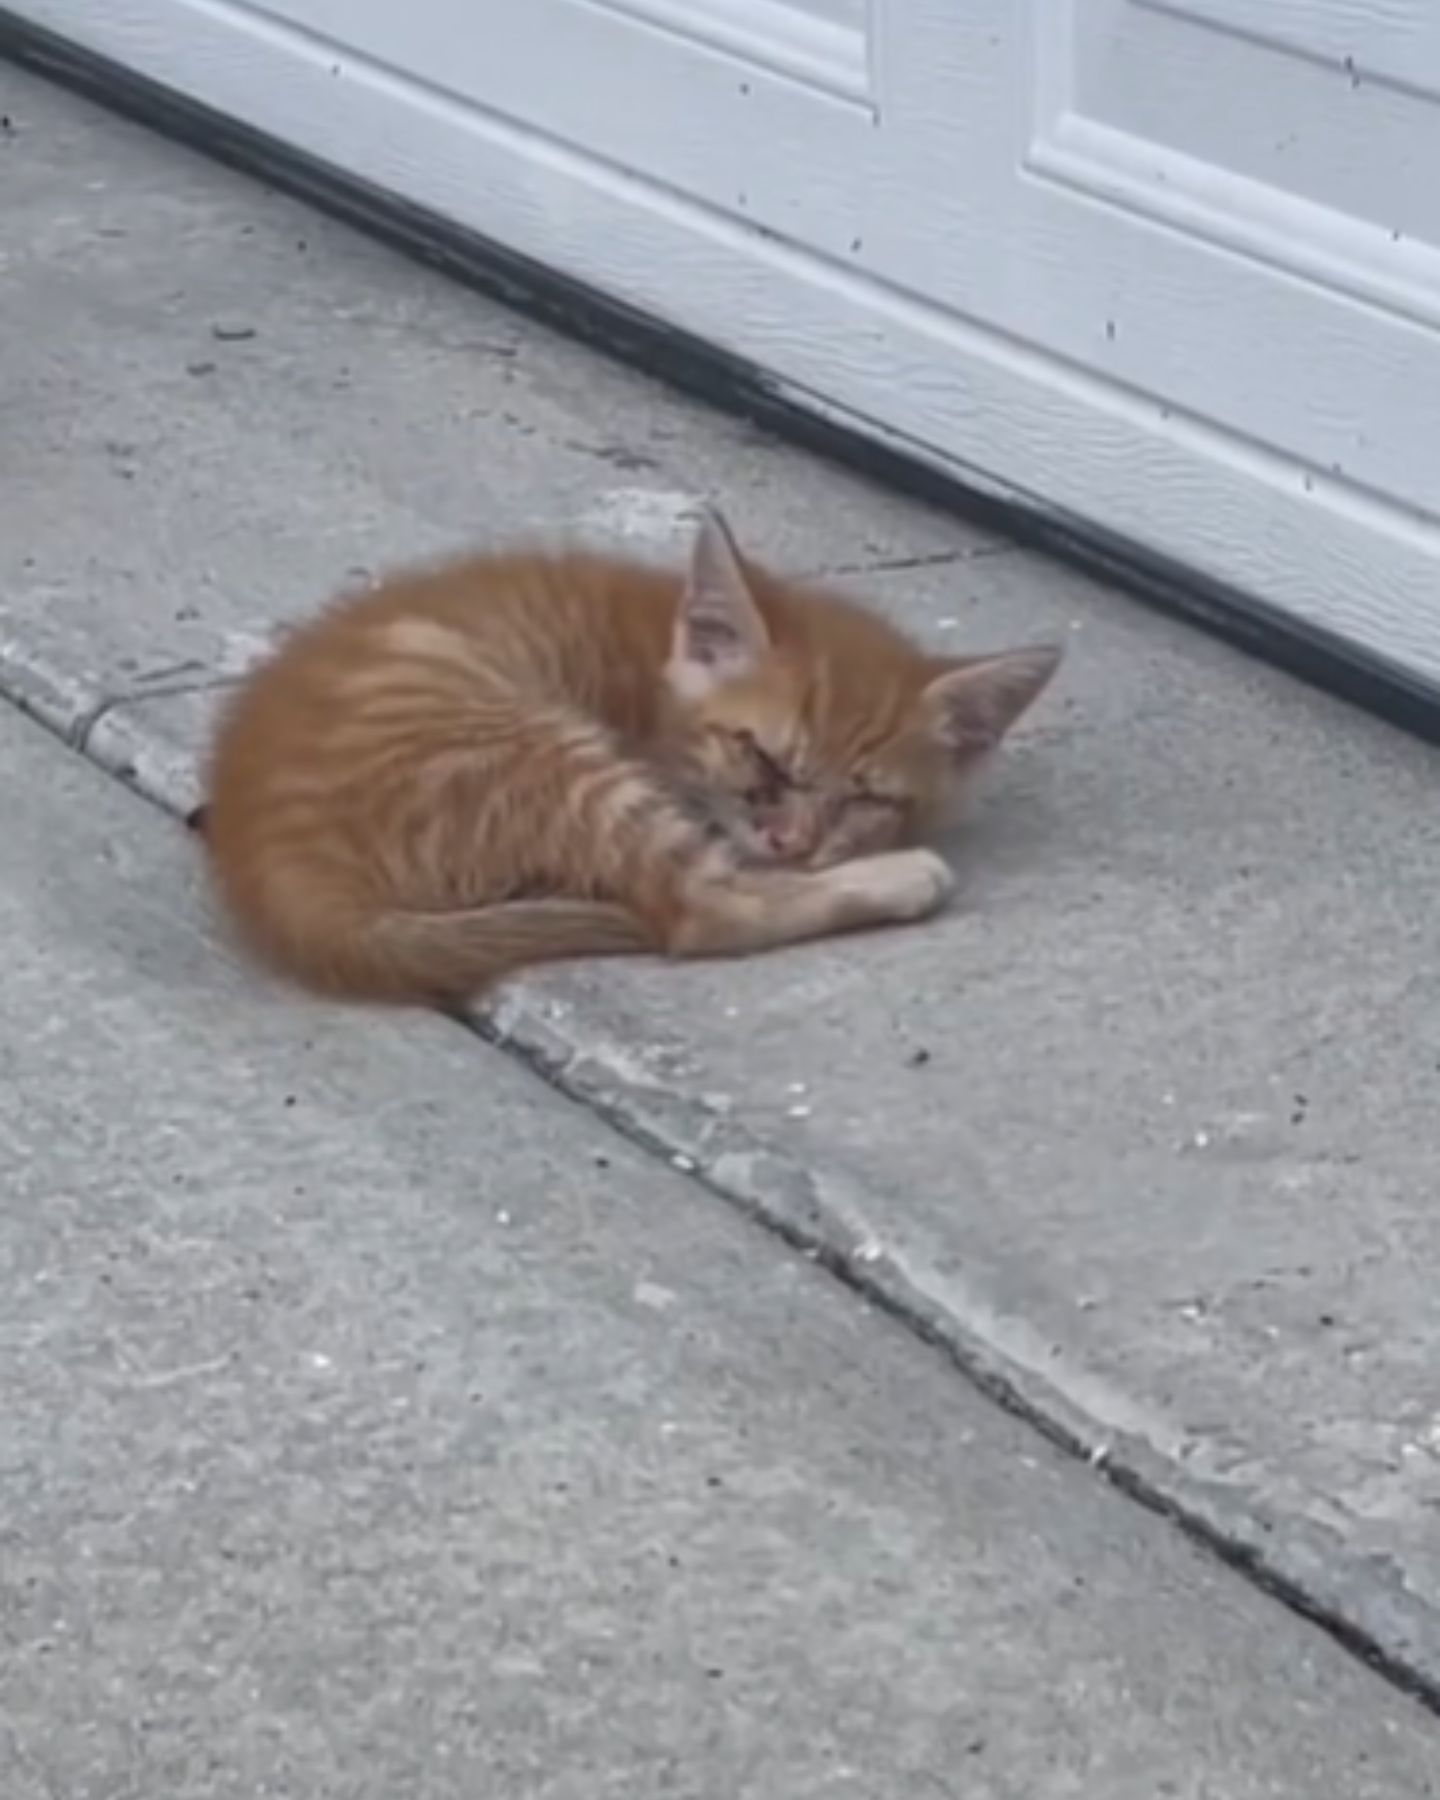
x,y
936,559
82,728
80,735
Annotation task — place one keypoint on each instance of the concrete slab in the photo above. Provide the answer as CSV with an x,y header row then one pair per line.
x,y
1145,1130
373,1423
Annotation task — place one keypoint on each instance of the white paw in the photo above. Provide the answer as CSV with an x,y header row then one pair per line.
x,y
906,884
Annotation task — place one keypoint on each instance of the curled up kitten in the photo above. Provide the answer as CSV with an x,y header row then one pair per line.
x,y
522,758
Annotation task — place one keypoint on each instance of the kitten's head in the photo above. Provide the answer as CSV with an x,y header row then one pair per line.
x,y
810,730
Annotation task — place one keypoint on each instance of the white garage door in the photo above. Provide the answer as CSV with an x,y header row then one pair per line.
x,y
1171,266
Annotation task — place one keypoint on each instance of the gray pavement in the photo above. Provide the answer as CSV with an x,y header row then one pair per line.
x,y
1145,1129
373,1423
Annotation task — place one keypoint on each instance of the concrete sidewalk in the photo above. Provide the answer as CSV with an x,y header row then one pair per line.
x,y
375,1425
1146,1129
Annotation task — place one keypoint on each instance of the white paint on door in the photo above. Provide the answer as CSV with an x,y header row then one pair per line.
x,y
1169,266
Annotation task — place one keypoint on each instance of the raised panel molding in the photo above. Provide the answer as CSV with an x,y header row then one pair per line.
x,y
1397,44
823,52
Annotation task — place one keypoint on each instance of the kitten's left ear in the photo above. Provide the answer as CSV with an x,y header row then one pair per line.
x,y
973,704
719,632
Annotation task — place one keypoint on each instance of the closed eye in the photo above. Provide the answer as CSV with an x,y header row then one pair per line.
x,y
774,774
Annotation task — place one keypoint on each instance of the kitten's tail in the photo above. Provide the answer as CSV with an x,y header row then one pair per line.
x,y
450,957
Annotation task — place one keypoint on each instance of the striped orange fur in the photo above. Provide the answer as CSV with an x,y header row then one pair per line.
x,y
521,758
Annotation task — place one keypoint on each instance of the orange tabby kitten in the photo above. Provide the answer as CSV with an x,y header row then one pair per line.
x,y
522,758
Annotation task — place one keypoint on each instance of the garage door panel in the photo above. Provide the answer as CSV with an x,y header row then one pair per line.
x,y
1301,330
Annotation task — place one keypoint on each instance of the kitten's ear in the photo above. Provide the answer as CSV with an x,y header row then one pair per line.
x,y
973,704
719,632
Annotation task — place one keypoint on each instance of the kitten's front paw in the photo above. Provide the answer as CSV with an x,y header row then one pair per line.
x,y
905,884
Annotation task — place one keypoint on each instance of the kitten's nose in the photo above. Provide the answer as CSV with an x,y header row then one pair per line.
x,y
789,837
